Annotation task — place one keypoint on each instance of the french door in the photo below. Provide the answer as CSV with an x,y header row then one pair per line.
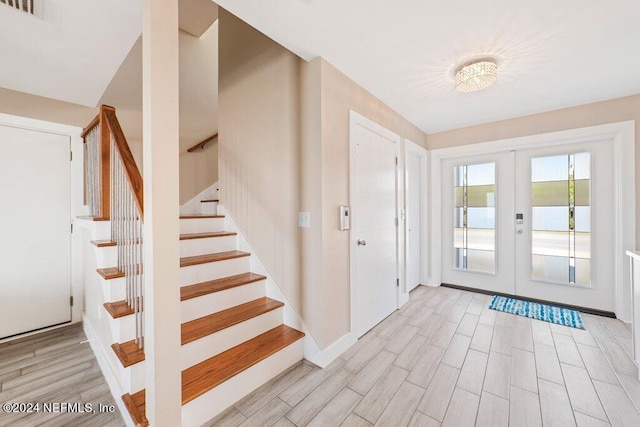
x,y
533,222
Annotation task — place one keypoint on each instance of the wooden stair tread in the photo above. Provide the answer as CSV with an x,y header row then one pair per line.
x,y
200,216
190,236
110,273
92,218
212,372
218,256
210,201
136,407
128,353
118,309
215,322
211,286
103,243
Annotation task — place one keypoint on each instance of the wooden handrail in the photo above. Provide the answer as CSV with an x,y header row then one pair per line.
x,y
133,173
91,125
202,143
109,125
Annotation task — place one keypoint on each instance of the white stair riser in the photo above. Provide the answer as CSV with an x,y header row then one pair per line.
x,y
213,344
123,328
114,289
213,270
132,377
195,308
201,225
213,402
102,230
193,247
106,256
209,208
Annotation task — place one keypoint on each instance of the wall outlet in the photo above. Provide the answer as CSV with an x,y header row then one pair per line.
x,y
304,219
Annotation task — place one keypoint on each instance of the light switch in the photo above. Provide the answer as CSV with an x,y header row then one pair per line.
x,y
304,219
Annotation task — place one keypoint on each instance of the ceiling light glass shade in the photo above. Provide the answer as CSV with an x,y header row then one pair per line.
x,y
476,76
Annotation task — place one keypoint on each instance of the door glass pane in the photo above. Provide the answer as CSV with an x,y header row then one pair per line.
x,y
561,218
474,234
554,218
550,268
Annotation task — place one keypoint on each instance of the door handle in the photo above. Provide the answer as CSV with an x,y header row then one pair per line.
x,y
362,242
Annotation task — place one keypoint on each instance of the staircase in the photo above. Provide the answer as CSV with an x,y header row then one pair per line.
x,y
233,336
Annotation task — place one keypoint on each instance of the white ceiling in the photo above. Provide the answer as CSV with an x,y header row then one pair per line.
x,y
70,51
551,53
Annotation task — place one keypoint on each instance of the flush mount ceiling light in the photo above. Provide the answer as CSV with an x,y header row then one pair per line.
x,y
476,76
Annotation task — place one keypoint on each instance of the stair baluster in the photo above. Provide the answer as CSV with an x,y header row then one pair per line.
x,y
126,231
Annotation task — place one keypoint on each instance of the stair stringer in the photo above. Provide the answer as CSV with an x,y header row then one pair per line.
x,y
100,344
312,352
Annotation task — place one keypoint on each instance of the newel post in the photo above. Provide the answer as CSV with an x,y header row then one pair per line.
x,y
105,163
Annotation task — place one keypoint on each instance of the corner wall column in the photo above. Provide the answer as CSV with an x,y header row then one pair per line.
x,y
161,201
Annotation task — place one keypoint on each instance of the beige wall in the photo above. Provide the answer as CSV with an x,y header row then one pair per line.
x,y
339,95
36,107
198,106
311,251
259,146
615,110
284,149
198,171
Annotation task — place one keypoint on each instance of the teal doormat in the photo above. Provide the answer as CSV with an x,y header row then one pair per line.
x,y
534,310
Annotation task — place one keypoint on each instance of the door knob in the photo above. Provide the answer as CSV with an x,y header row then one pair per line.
x,y
362,242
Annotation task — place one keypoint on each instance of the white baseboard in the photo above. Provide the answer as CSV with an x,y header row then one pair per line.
x,y
324,357
109,376
312,352
193,206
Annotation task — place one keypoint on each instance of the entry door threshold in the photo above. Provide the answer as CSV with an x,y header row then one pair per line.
x,y
587,310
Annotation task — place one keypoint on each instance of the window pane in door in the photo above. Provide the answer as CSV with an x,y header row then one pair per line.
x,y
561,218
474,217
553,168
551,268
555,218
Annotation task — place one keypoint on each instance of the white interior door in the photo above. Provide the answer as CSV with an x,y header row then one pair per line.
x,y
565,244
535,222
413,187
35,278
477,212
374,232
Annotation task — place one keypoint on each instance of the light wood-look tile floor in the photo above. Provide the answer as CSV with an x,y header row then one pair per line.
x,y
54,367
446,359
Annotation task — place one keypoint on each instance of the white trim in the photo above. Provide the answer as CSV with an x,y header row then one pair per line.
x,y
622,134
323,358
412,147
105,367
39,125
358,119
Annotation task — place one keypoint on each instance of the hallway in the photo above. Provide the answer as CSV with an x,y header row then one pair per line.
x,y
446,359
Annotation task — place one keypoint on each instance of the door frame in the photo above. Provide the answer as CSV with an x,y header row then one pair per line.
x,y
77,204
621,134
423,154
356,120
